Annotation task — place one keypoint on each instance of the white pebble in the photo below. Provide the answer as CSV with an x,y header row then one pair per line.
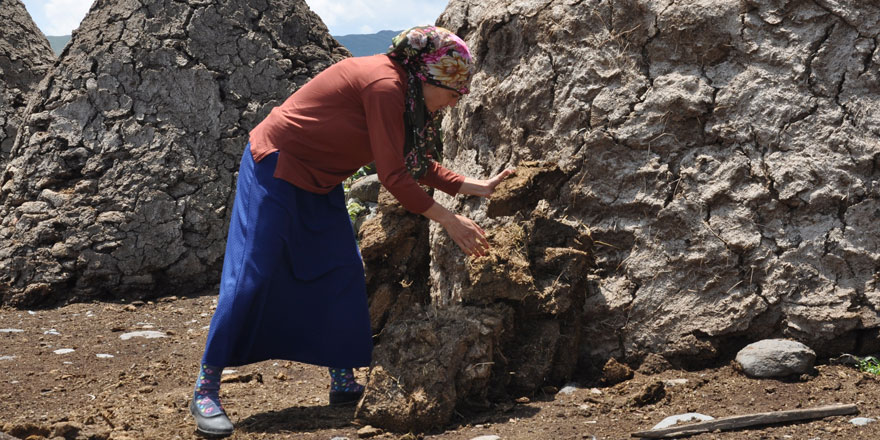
x,y
51,332
7,358
681,418
104,356
64,351
862,421
148,334
675,382
10,330
487,437
568,389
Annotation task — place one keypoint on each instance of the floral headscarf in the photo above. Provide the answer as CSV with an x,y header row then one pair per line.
x,y
437,56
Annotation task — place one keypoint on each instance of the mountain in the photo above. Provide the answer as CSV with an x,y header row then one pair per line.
x,y
58,42
367,44
358,44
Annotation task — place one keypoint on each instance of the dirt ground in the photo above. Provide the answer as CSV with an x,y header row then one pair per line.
x,y
143,390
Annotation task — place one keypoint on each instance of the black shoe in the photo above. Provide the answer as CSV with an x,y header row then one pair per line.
x,y
216,425
345,398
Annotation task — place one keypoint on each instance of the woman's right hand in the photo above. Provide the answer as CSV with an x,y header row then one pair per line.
x,y
469,236
463,231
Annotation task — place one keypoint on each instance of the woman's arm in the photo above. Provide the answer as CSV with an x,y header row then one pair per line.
x,y
483,188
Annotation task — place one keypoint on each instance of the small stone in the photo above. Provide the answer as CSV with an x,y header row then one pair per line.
x,y
844,359
7,358
280,376
130,308
10,330
366,189
862,421
64,351
675,382
104,356
568,389
148,334
368,431
523,400
776,358
145,389
487,437
682,418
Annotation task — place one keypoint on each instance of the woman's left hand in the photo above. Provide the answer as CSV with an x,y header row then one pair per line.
x,y
484,188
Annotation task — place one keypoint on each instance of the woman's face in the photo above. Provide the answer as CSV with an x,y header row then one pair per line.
x,y
437,98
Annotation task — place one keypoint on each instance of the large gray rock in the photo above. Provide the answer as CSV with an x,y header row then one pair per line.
x,y
776,358
725,154
25,57
122,180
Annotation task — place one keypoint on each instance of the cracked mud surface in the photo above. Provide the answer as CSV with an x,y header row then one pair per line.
x,y
142,392
25,56
722,153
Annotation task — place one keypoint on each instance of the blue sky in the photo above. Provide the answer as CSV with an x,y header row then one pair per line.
x,y
342,17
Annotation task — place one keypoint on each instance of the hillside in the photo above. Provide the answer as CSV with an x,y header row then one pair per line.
x,y
359,44
58,42
367,44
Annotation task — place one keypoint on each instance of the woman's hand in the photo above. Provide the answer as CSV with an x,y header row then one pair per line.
x,y
483,188
463,231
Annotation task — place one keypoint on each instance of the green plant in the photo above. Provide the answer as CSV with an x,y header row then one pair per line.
x,y
365,170
354,209
869,364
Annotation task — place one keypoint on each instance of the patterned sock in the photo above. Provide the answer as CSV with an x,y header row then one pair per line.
x,y
342,379
207,392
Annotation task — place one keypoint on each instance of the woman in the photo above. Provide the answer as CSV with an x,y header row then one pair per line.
x,y
293,282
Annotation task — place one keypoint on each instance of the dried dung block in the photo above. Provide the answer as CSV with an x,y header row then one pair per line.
x,y
122,177
425,366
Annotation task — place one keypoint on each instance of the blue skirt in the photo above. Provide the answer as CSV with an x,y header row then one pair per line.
x,y
293,284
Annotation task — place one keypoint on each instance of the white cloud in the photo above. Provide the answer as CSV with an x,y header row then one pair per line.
x,y
365,17
63,16
342,17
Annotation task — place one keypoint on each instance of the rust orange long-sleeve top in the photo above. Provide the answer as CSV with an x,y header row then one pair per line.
x,y
344,118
